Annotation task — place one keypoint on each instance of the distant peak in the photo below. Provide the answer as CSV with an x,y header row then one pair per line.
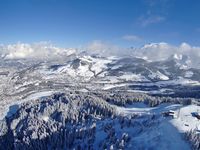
x,y
178,56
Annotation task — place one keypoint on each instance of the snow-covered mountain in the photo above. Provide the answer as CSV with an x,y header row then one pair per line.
x,y
83,101
124,71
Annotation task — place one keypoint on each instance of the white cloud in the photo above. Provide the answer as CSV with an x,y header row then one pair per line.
x,y
103,48
152,52
156,3
163,51
42,50
146,21
132,38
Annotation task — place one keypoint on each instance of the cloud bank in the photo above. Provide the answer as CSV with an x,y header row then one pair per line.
x,y
103,48
151,52
163,51
42,50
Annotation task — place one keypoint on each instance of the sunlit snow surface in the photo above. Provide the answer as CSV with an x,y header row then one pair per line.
x,y
168,133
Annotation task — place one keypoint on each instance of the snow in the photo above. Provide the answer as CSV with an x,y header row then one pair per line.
x,y
93,67
81,71
167,132
45,118
186,121
114,81
37,95
161,91
161,137
183,62
108,80
188,74
110,86
141,109
179,81
158,75
99,64
116,67
133,77
178,56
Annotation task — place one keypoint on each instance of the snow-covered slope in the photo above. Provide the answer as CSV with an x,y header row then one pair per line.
x,y
81,67
99,102
186,120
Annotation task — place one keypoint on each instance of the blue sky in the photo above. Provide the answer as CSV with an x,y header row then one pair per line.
x,y
73,23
